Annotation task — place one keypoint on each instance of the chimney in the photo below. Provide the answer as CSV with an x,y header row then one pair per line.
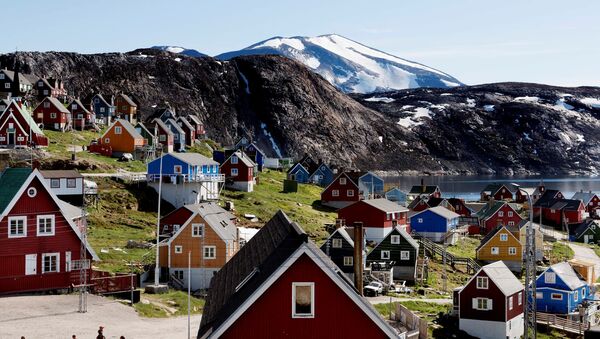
x,y
358,260
339,223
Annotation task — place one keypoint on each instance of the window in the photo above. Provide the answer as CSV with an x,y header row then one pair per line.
x,y
404,255
96,100
17,227
54,183
336,243
45,225
107,140
50,262
539,295
511,223
176,228
342,181
74,106
118,130
178,274
45,92
7,85
495,251
350,193
510,302
234,159
576,296
520,298
420,220
210,252
501,214
510,214
177,169
556,296
583,293
124,108
503,237
234,172
52,115
31,192
512,251
1,76
71,183
178,249
482,283
162,137
197,230
385,254
303,300
335,193
395,239
552,211
348,261
41,84
102,109
482,304
550,278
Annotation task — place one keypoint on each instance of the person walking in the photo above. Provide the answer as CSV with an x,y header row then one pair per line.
x,y
100,333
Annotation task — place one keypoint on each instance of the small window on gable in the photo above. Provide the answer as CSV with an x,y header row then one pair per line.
x,y
303,300
482,283
178,249
336,243
234,159
501,214
576,295
503,237
404,255
510,214
342,181
550,278
348,261
512,251
118,130
197,230
395,239
31,192
107,140
420,220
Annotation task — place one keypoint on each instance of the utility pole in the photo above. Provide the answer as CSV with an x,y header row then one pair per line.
x,y
157,268
530,330
83,265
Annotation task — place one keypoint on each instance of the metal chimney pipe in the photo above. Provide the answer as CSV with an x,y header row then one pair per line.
x,y
358,253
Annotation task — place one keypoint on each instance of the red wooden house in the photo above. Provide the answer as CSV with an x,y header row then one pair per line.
x,y
281,285
423,203
490,305
170,223
50,87
460,207
82,117
378,216
496,192
17,128
164,135
190,131
534,192
53,114
126,108
239,172
198,125
589,199
560,212
343,190
496,213
39,243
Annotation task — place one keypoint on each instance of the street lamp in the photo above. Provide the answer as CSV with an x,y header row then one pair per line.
x,y
530,272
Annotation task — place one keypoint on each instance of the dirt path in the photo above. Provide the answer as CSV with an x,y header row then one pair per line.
x,y
385,299
56,316
586,254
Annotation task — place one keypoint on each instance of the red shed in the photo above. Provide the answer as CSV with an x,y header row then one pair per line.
x,y
497,192
378,216
342,191
53,114
39,243
491,303
496,213
239,172
281,285
460,207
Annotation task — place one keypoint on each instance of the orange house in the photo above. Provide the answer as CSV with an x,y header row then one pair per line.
x,y
210,236
501,244
125,108
122,137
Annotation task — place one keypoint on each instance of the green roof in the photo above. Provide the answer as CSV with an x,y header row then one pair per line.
x,y
489,209
11,181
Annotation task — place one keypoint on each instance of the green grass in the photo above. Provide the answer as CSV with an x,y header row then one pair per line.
x,y
173,300
302,207
464,248
204,148
560,252
117,219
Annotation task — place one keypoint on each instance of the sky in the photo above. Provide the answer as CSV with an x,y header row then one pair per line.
x,y
551,42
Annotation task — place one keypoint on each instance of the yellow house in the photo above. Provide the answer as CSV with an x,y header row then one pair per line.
x,y
520,231
501,244
209,238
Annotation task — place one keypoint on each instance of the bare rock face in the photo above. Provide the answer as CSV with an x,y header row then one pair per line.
x,y
289,110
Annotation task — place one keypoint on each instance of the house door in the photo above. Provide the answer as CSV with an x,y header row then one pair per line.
x,y
586,238
11,138
30,264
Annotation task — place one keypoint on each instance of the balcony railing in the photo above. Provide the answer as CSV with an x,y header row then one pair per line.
x,y
187,178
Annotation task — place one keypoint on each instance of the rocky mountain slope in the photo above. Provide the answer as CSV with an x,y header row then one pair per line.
x,y
180,50
349,65
291,110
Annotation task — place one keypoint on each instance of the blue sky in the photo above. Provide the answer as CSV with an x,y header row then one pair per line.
x,y
553,42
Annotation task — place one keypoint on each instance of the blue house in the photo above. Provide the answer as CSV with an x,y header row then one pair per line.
x,y
188,165
322,176
298,173
370,186
257,155
397,196
105,111
178,135
434,223
559,289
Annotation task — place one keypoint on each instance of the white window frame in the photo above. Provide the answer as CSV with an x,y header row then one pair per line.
x,y
420,220
395,239
212,255
52,115
482,304
335,193
510,214
312,300
107,140
118,130
177,169
510,302
511,223
71,183
336,243
501,214
520,298
576,295
234,172
54,180
495,250
31,192
349,193
349,261
550,278
556,296
342,181
539,295
19,235
178,249
483,283
57,255
512,251
52,219
195,228
234,159
404,255
385,255
503,237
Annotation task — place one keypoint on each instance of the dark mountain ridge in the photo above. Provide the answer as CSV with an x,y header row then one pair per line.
x,y
288,109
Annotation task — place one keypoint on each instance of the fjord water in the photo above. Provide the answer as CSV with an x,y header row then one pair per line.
x,y
469,187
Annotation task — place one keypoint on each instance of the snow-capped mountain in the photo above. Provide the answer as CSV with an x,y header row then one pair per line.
x,y
349,65
180,50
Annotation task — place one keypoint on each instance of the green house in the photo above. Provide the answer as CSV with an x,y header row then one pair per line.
x,y
147,132
399,250
585,232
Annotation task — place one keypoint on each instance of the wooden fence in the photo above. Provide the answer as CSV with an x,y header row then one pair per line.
x,y
411,321
452,260
558,322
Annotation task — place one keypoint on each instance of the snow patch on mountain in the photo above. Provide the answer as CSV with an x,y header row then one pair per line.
x,y
349,65
180,50
416,117
380,99
591,102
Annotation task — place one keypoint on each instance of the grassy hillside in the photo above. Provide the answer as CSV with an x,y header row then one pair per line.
x,y
303,207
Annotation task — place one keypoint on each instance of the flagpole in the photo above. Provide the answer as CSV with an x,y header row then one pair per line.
x,y
157,268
